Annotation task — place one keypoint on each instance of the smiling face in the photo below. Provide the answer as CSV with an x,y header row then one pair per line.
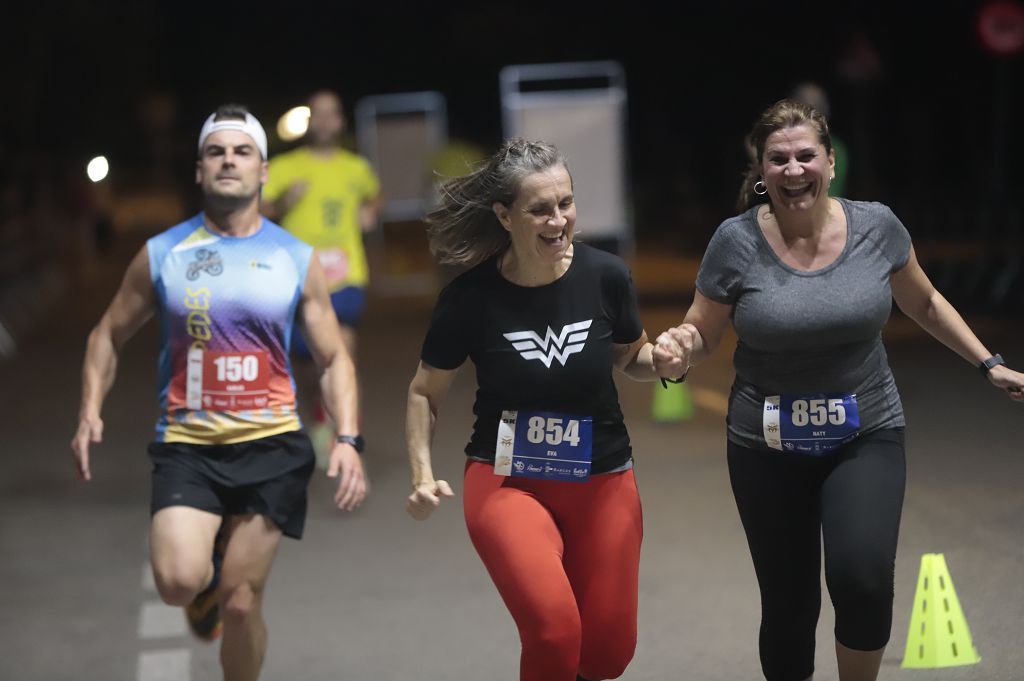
x,y
230,167
542,219
796,167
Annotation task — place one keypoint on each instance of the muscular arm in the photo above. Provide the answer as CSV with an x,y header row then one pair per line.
x,y
132,305
338,375
337,385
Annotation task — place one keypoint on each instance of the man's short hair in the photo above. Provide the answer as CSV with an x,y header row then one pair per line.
x,y
230,112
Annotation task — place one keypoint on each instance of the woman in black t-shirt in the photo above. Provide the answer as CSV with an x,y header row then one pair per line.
x,y
550,499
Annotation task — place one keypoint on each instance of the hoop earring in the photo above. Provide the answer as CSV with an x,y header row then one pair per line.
x,y
764,188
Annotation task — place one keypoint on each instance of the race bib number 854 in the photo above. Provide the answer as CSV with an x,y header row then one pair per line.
x,y
540,444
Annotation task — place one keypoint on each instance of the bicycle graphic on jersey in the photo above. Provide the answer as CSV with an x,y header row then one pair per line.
x,y
206,261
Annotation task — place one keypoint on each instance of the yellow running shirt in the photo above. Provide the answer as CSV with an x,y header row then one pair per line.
x,y
327,215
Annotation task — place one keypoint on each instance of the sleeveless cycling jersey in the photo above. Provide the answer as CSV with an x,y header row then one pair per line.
x,y
226,307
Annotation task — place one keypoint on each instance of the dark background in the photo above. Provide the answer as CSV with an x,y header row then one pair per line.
x,y
929,117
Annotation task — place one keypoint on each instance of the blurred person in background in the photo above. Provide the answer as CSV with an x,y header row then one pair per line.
x,y
813,95
550,501
231,463
815,424
328,197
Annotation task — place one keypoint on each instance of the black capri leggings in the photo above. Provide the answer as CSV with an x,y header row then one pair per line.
x,y
853,498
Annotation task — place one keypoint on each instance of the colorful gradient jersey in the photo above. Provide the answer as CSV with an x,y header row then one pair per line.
x,y
227,305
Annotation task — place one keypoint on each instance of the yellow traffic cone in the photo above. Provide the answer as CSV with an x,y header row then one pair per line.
x,y
321,435
671,403
938,635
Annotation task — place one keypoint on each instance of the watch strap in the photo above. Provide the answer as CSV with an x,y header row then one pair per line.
x,y
357,442
986,365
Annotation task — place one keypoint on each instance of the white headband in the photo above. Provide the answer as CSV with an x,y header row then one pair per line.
x,y
250,126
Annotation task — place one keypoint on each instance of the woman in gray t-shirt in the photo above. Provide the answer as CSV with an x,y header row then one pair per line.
x,y
815,425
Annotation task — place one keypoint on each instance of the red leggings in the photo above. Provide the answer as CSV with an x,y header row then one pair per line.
x,y
565,557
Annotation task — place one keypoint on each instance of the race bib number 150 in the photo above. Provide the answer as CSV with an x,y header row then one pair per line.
x,y
222,381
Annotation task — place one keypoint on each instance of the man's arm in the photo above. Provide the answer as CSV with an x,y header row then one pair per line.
x,y
132,305
337,385
276,209
369,212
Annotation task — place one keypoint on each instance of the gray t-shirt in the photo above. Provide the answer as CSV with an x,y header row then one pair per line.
x,y
808,333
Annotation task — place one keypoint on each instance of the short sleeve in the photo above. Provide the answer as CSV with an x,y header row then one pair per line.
x,y
724,260
895,240
626,324
447,343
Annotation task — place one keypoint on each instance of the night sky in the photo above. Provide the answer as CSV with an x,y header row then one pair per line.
x,y
919,120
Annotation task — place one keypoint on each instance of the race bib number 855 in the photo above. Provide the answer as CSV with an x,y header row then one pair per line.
x,y
811,424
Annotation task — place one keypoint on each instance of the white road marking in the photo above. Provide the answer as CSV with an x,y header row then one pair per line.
x,y
165,665
158,620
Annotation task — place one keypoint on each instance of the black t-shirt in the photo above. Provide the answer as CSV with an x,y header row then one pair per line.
x,y
559,357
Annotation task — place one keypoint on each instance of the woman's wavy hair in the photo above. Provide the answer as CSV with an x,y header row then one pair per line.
x,y
464,230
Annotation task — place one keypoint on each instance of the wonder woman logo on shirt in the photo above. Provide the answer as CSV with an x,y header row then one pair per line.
x,y
568,341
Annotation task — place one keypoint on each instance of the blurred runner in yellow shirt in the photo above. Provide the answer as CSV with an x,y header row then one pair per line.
x,y
328,197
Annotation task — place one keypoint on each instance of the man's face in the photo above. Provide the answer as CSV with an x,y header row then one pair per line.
x,y
230,167
326,119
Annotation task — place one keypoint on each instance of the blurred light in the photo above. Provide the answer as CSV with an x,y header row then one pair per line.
x,y
293,124
97,168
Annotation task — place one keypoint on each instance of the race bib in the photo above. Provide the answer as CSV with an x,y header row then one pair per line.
x,y
545,445
810,424
335,264
222,381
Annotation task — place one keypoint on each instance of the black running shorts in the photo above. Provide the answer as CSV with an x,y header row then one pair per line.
x,y
268,476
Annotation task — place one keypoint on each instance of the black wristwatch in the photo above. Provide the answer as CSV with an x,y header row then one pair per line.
x,y
986,365
681,379
357,442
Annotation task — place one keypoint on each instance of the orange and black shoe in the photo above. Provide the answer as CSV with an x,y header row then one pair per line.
x,y
203,613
